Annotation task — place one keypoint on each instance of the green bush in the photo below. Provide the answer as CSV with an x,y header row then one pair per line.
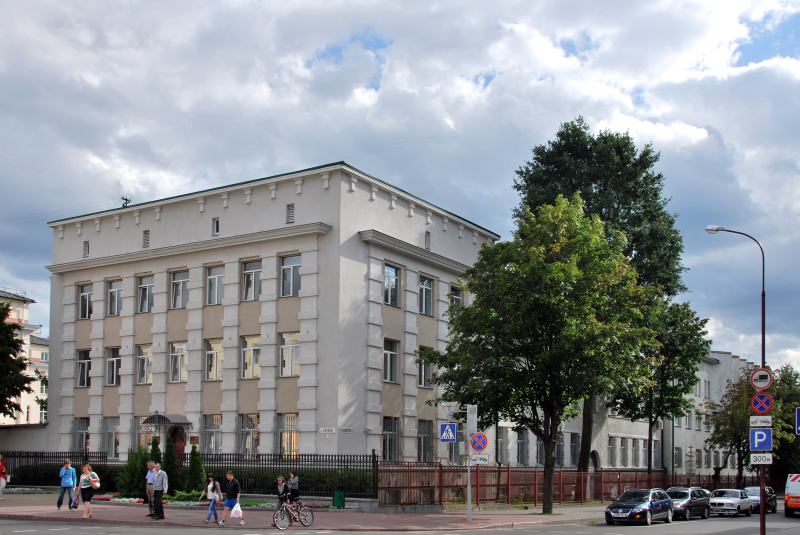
x,y
131,482
155,453
196,474
170,466
191,496
111,480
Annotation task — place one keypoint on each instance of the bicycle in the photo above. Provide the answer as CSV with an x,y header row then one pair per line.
x,y
286,515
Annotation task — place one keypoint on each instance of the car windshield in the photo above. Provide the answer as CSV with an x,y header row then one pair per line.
x,y
725,494
633,497
678,494
753,491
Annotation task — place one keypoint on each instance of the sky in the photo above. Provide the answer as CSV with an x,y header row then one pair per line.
x,y
443,99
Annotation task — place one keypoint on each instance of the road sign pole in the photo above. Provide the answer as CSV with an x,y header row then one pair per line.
x,y
469,482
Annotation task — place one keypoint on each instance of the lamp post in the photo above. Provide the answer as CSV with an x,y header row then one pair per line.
x,y
713,229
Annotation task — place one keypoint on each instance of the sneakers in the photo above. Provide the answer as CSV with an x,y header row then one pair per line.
x,y
221,522
241,523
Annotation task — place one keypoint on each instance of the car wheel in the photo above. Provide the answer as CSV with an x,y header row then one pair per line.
x,y
749,512
737,513
648,518
704,514
668,519
609,522
688,515
775,508
787,512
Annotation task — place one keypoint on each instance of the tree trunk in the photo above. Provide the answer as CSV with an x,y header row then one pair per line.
x,y
739,471
549,467
586,432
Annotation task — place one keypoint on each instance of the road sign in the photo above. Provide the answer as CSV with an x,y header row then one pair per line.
x,y
472,418
761,440
761,403
447,432
761,379
797,421
480,459
479,442
761,421
760,458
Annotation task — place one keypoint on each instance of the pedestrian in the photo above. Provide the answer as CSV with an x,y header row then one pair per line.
x,y
89,481
151,473
3,477
294,486
160,487
232,495
69,482
283,494
214,493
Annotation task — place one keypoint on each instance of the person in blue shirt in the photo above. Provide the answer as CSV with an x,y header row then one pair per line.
x,y
69,481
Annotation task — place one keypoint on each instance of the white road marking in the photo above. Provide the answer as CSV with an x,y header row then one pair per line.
x,y
24,531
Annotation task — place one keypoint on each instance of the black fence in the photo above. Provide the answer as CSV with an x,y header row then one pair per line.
x,y
41,468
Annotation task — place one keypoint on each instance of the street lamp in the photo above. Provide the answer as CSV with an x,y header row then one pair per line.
x,y
713,229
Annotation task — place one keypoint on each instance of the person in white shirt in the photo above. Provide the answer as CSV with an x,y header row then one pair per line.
x,y
214,493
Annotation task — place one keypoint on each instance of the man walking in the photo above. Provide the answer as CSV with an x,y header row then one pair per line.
x,y
69,480
232,495
160,487
151,473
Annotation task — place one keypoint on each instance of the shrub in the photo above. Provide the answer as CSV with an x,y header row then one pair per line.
x,y
196,476
170,466
155,453
131,482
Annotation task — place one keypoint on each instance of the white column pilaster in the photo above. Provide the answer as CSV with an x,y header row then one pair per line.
x,y
230,362
307,382
127,352
374,356
195,355
98,361
410,390
268,361
68,367
158,388
442,337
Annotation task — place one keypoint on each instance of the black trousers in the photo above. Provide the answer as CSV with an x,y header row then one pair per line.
x,y
158,507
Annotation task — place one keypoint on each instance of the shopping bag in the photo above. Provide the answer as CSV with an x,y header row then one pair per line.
x,y
75,501
236,512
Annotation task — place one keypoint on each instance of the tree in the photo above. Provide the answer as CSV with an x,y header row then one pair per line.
x,y
13,366
196,476
682,345
170,465
155,452
550,313
618,184
786,392
131,481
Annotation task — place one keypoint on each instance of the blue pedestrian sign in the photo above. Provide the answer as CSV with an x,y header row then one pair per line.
x,y
447,432
760,439
797,421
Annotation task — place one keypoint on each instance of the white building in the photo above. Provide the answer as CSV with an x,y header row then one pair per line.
x,y
280,314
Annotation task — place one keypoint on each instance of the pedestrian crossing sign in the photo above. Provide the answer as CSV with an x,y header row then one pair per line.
x,y
447,432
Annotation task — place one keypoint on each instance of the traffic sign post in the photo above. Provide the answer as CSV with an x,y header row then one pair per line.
x,y
761,379
761,403
479,442
472,427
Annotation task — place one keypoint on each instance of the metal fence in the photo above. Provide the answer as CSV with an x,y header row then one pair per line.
x,y
41,468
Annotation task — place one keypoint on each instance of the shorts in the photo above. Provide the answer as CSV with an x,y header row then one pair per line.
x,y
230,503
87,493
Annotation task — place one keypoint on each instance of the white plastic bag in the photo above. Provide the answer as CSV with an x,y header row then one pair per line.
x,y
236,512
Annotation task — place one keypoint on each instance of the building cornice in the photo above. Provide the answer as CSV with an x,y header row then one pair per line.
x,y
379,238
309,229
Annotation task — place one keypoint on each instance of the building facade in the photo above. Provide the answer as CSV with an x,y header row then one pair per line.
x,y
278,315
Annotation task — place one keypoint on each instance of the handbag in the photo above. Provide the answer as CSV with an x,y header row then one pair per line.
x,y
95,484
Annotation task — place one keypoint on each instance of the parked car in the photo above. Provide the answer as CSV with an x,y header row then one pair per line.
x,y
688,502
755,494
641,506
791,495
731,502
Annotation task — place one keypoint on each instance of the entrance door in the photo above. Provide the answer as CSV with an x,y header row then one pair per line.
x,y
178,436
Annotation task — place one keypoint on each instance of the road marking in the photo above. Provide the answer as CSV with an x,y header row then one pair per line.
x,y
24,531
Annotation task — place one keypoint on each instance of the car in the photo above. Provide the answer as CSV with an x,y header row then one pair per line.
x,y
791,496
640,506
688,502
731,502
755,493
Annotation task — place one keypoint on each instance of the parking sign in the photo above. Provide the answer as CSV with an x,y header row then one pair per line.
x,y
761,440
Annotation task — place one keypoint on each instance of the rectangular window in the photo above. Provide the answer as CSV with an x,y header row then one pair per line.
x,y
539,452
42,388
635,450
290,276
522,448
248,436
146,293
391,438
113,363
289,213
426,296
214,286
42,416
699,459
85,249
80,434
707,455
657,454
251,281
678,421
390,361
45,357
678,457
85,298
574,448
716,459
84,367
114,298
623,448
455,294
215,226
456,449
707,423
111,437
688,419
290,355
142,431
144,364
391,290
250,354
28,415
145,239
180,289
698,421
287,436
732,460
427,240
424,375
425,441
212,433
177,362
612,451
502,445
214,356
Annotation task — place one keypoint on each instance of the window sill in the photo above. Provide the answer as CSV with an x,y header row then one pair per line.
x,y
212,380
252,378
177,382
212,304
288,377
87,386
391,382
112,316
143,312
283,296
143,384
173,308
424,314
391,305
110,386
425,387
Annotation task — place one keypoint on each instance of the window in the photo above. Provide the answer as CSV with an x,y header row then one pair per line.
x,y
427,240
707,423
657,454
425,441
390,361
424,375
111,437
215,226
146,293
42,388
113,363
250,354
697,421
214,285
144,364
142,431
678,457
539,452
623,449
698,459
43,416
391,438
456,449
145,239
114,298
289,213
455,293
574,448
716,459
522,448
85,295
180,289
80,434
251,283
290,353
248,436
214,356
177,362
84,367
688,419
391,288
635,450
426,296
211,433
288,436
290,276
612,451
678,421
502,445
85,249
708,458
44,356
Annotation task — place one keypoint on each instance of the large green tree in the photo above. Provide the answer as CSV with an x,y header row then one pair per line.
x,y
786,392
13,365
550,312
619,184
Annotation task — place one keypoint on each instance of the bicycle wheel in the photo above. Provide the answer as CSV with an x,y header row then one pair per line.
x,y
306,516
282,519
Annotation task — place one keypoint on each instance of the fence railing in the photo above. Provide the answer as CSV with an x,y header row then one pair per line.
x,y
41,468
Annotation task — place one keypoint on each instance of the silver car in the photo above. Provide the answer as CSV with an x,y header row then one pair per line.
x,y
731,502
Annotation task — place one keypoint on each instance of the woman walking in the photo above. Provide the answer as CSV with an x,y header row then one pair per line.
x,y
88,481
3,477
214,493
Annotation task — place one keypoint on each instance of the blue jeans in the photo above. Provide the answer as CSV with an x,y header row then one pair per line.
x,y
61,497
212,510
